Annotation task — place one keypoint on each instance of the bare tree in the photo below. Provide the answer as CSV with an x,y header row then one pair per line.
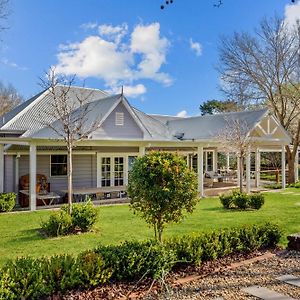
x,y
4,13
9,98
266,65
235,137
68,117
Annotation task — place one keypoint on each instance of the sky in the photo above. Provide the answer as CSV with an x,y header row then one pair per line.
x,y
165,59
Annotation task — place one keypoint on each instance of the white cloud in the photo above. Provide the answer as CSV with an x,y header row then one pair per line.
x,y
12,64
145,40
292,13
129,90
182,114
116,60
89,25
196,47
113,33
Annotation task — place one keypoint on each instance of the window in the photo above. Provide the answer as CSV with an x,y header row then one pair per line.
x,y
119,171
59,165
105,171
119,119
131,160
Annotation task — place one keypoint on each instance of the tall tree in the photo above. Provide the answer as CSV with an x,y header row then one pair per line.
x,y
9,98
211,107
68,117
264,67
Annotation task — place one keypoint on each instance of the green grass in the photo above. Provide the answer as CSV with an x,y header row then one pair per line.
x,y
19,231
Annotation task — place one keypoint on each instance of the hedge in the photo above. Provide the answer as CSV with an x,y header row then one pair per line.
x,y
34,278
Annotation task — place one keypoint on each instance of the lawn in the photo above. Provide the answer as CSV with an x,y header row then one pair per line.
x,y
20,236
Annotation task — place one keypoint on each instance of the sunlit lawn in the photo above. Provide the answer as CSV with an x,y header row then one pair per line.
x,y
20,236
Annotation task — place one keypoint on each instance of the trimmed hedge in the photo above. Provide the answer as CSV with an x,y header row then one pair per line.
x,y
29,278
7,201
239,200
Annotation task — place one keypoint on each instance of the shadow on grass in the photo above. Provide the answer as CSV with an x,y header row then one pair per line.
x,y
29,235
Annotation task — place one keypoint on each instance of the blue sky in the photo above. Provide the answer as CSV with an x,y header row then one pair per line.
x,y
165,58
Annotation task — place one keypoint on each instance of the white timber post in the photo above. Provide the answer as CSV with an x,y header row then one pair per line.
x,y
1,168
206,161
297,165
248,172
227,162
32,177
142,151
283,167
17,176
257,168
215,160
200,171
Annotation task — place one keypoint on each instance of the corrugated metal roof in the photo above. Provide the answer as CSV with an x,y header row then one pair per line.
x,y
165,118
36,112
95,112
209,126
156,129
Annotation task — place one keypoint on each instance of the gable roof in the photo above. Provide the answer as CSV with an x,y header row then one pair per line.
x,y
27,116
209,126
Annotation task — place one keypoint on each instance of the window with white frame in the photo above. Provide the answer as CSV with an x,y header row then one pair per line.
x,y
105,171
119,121
118,171
58,165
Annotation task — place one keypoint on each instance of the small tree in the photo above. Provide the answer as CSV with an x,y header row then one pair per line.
x,y
161,188
68,117
235,138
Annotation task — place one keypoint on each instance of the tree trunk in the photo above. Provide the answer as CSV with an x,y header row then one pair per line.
x,y
241,164
70,179
159,229
291,155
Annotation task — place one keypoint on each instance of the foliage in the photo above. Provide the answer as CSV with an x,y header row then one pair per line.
x,y
9,97
161,188
237,199
256,201
133,260
295,185
7,201
59,223
83,217
29,278
274,186
212,107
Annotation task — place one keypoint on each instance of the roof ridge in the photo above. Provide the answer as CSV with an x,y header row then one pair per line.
x,y
86,88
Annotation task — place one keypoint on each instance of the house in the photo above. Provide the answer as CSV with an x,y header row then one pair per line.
x,y
103,159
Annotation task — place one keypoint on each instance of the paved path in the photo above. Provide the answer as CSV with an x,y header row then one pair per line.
x,y
290,279
265,294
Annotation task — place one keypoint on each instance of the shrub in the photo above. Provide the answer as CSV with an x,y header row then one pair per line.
x,y
274,186
256,201
240,200
92,269
84,216
237,199
59,223
133,260
7,201
226,200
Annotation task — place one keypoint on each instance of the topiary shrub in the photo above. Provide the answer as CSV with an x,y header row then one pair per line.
x,y
59,223
7,201
256,201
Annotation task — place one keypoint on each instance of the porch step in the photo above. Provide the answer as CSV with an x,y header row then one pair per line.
x,y
265,294
290,279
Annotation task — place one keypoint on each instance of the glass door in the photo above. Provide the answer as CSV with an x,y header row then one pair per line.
x,y
106,171
118,171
